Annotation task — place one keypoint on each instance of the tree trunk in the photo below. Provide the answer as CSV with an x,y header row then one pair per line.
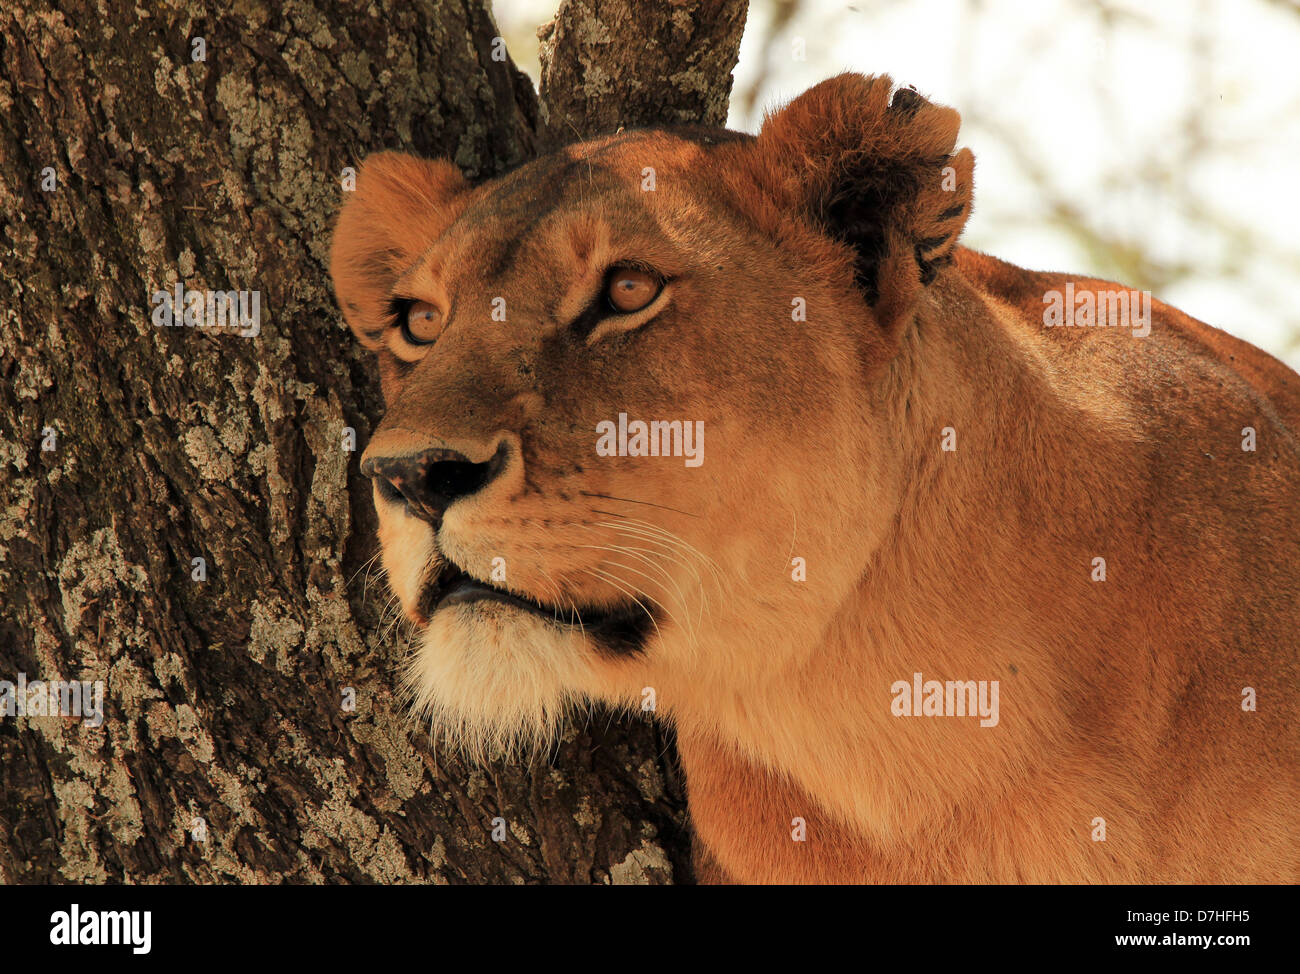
x,y
230,750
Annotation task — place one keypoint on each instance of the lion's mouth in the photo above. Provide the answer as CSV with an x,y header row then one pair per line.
x,y
621,630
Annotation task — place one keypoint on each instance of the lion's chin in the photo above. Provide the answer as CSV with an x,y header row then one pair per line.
x,y
495,679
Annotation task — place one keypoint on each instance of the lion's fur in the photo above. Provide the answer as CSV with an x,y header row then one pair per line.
x,y
1120,700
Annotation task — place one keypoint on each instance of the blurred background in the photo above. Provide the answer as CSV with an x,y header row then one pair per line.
x,y
1151,142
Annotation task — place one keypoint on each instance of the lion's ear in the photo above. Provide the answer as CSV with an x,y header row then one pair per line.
x,y
400,205
879,174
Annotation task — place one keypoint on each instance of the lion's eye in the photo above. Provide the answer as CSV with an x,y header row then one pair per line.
x,y
422,324
629,289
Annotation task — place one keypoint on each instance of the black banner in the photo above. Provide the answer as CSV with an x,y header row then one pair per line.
x,y
929,925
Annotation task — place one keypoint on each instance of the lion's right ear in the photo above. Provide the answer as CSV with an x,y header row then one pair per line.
x,y
400,205
878,170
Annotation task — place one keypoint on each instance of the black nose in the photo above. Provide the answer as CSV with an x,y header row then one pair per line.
x,y
429,482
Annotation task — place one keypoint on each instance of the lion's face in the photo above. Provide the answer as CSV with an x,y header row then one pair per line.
x,y
628,413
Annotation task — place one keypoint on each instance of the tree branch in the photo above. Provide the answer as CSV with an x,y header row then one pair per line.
x,y
611,64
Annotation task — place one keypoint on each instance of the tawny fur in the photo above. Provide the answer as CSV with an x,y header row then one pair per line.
x,y
1120,700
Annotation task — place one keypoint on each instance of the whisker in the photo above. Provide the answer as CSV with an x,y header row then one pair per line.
x,y
605,576
667,550
559,592
630,500
653,534
645,555
369,561
674,536
674,547
681,596
671,554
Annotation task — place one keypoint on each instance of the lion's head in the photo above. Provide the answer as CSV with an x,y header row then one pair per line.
x,y
633,389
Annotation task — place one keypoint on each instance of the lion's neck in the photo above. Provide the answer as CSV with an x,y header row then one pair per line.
x,y
823,735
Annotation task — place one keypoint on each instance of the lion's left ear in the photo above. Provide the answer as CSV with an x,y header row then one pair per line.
x,y
879,174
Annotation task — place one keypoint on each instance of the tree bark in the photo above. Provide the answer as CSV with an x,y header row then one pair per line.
x,y
606,65
227,752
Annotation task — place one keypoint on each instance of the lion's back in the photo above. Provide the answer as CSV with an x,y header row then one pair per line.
x,y
1177,343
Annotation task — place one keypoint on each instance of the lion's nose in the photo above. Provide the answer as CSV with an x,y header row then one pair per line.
x,y
432,480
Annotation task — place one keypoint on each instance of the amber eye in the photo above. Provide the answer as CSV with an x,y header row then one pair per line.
x,y
422,324
630,289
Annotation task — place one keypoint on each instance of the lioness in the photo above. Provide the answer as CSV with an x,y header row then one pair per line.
x,y
944,570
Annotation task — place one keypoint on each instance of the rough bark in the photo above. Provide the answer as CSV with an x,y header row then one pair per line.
x,y
224,698
607,65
